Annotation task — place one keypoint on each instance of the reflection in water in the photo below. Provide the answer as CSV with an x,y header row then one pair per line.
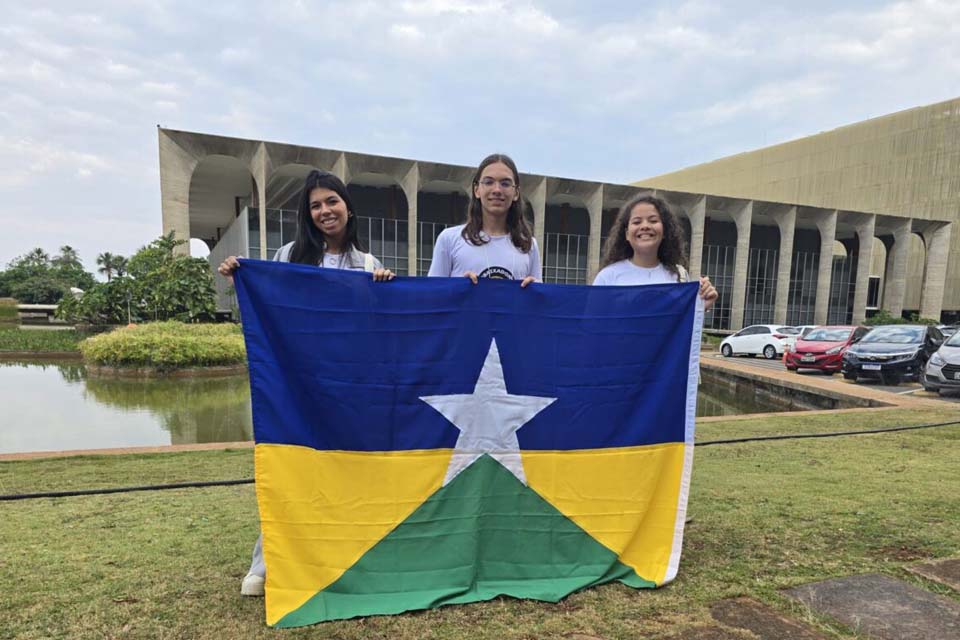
x,y
52,406
191,409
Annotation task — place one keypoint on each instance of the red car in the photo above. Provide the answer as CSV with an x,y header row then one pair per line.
x,y
823,348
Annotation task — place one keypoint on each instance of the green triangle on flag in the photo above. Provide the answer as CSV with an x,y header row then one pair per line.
x,y
483,535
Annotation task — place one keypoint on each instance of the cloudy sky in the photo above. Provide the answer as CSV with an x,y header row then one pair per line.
x,y
602,90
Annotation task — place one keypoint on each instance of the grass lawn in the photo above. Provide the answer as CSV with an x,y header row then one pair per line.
x,y
765,516
13,338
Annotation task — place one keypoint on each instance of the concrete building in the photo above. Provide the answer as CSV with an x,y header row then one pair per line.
x,y
902,169
772,260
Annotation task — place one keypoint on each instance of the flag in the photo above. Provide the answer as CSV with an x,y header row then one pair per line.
x,y
428,441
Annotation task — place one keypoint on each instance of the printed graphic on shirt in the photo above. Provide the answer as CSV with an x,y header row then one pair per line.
x,y
497,273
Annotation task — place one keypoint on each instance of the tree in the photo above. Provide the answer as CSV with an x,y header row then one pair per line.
x,y
109,264
120,265
158,285
68,259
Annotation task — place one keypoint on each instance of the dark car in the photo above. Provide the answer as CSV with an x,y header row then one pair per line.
x,y
892,352
823,348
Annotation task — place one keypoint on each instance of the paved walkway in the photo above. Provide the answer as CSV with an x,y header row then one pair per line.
x,y
776,368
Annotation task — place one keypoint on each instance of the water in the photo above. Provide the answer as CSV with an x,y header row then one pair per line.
x,y
55,406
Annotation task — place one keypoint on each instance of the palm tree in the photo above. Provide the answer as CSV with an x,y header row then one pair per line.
x,y
108,264
37,257
68,258
120,265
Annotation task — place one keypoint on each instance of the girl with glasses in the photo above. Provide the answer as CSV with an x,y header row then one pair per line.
x,y
645,246
496,241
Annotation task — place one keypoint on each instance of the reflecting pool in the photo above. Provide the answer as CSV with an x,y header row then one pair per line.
x,y
55,406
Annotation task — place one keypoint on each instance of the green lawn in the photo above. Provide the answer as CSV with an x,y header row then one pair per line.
x,y
16,339
765,516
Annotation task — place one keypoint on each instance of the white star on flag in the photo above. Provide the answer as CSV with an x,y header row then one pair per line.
x,y
488,419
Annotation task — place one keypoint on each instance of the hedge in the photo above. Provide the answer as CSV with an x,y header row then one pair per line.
x,y
167,346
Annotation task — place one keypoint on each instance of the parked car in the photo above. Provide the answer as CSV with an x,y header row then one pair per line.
x,y
804,329
948,329
823,348
892,352
943,367
769,340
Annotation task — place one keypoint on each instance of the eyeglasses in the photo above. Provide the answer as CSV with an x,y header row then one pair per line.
x,y
506,184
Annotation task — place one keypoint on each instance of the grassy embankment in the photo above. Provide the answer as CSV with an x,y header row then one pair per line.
x,y
765,516
13,338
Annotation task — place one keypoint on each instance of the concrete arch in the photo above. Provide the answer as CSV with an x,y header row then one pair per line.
x,y
221,189
285,185
382,212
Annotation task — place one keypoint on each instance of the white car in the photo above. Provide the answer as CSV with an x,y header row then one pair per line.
x,y
943,368
769,340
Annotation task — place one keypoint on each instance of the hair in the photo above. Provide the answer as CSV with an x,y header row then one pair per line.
x,y
310,243
520,234
671,251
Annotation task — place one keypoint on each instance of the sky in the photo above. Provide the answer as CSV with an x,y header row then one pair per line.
x,y
601,90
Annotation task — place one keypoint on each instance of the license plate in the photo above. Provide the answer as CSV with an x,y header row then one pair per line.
x,y
871,367
808,359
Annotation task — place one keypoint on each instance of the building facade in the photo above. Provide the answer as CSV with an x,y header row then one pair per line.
x,y
904,166
772,261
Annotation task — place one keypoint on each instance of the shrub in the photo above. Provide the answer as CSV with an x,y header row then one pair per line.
x,y
167,346
13,338
8,311
883,317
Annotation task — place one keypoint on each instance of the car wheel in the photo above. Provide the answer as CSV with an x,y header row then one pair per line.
x,y
726,350
769,352
847,375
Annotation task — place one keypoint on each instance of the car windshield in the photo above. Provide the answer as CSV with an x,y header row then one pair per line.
x,y
790,331
895,335
828,335
954,340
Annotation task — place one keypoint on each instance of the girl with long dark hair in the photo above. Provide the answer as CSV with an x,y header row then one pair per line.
x,y
326,231
326,237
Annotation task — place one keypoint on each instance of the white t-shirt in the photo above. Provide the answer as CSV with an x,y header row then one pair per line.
x,y
625,273
353,260
453,256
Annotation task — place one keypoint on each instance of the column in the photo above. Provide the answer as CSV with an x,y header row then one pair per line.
x,y
698,216
895,286
865,233
340,168
176,171
787,222
537,196
259,168
937,240
595,209
827,226
743,217
411,188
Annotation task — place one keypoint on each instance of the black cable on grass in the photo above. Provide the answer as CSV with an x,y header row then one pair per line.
x,y
149,487
829,434
227,483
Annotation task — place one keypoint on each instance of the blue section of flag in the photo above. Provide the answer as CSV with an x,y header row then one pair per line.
x,y
339,362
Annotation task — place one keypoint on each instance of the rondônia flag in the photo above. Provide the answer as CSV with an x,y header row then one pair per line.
x,y
427,441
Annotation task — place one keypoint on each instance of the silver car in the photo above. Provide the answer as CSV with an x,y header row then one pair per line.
x,y
943,367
